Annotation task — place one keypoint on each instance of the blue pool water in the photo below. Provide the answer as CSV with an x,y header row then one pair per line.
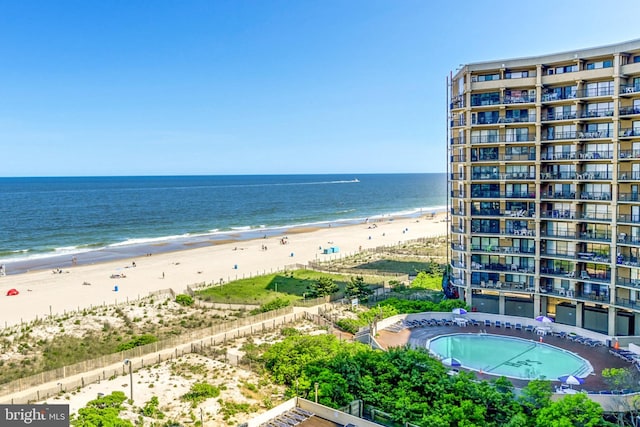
x,y
510,357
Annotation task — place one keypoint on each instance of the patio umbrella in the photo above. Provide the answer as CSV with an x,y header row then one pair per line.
x,y
571,380
544,319
449,361
459,311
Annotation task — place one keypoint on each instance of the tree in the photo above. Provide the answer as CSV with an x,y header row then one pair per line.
x,y
571,410
324,286
535,396
357,288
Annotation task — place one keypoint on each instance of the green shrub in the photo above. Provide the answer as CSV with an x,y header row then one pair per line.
x,y
200,392
137,341
272,305
185,300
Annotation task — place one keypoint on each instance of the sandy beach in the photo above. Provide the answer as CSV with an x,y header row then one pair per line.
x,y
42,293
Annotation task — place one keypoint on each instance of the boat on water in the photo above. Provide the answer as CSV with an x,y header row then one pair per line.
x,y
356,180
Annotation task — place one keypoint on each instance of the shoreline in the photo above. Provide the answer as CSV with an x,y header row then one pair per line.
x,y
123,251
43,293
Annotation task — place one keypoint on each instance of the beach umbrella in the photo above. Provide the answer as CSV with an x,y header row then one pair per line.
x,y
12,292
571,380
449,361
459,311
544,319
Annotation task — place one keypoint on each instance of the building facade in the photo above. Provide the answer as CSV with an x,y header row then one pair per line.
x,y
544,176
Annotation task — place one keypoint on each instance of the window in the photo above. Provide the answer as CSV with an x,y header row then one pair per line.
x,y
566,69
599,89
516,74
485,77
489,98
600,64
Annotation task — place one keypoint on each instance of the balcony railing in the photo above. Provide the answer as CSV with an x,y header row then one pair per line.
x,y
458,158
503,267
457,247
458,140
579,256
558,116
590,93
503,176
457,193
595,216
595,195
629,89
518,157
629,154
546,176
457,212
590,155
457,176
624,238
458,264
502,137
630,283
628,132
558,214
628,197
602,112
561,195
577,135
506,232
629,261
504,250
628,111
629,176
502,194
555,96
629,218
456,229
625,302
597,237
562,234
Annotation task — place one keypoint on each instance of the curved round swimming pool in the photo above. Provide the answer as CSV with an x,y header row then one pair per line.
x,y
509,356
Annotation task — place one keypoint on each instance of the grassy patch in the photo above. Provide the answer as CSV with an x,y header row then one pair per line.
x,y
289,286
395,266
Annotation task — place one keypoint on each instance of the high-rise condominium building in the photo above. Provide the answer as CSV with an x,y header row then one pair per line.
x,y
544,162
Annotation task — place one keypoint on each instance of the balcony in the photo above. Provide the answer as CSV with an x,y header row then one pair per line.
x,y
627,261
624,302
592,114
458,158
457,177
457,212
458,141
558,214
563,176
595,155
578,256
549,117
560,234
593,93
629,89
628,283
555,96
504,250
628,132
568,135
455,229
625,239
633,219
595,195
629,176
558,195
629,154
628,197
502,267
502,194
558,156
595,236
457,247
502,137
517,157
458,264
505,232
629,111
595,216
457,194
502,176
596,296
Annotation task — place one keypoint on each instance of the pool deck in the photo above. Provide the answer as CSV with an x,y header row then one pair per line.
x,y
599,357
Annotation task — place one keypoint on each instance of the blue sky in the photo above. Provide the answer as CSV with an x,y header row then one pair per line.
x,y
125,87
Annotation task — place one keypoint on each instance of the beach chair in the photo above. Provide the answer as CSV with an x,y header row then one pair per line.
x,y
498,324
487,323
507,325
474,322
529,328
518,326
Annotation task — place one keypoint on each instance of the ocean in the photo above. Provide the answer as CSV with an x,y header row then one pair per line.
x,y
45,222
